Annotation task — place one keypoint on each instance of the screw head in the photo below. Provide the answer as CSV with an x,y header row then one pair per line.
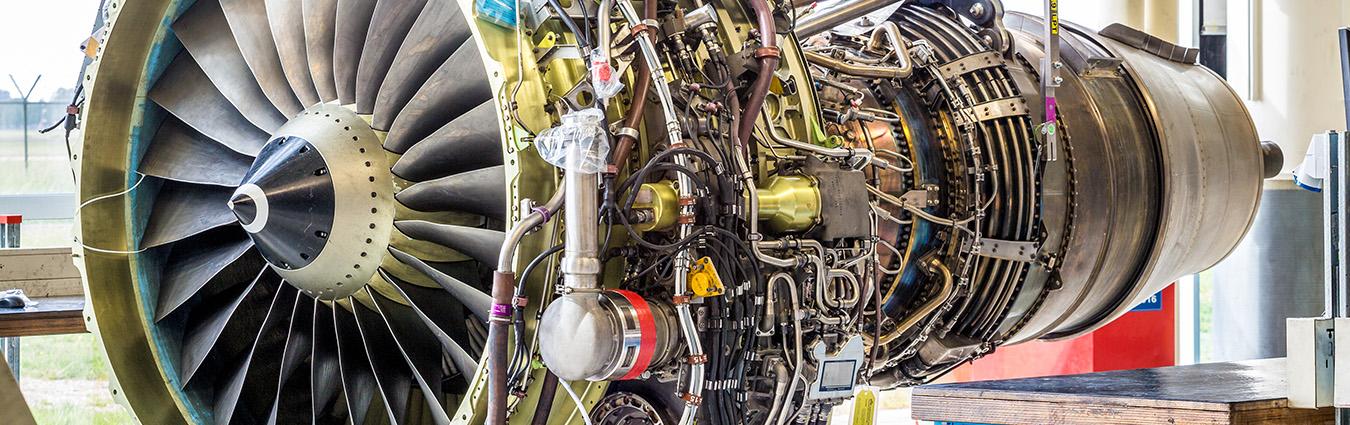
x,y
977,10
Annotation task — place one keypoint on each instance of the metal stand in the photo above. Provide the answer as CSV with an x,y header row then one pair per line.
x,y
9,238
1333,209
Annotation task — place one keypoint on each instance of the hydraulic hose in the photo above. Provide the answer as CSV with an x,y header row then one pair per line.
x,y
503,292
768,55
641,84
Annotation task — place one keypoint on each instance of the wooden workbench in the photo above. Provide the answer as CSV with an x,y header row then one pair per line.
x,y
1251,392
48,276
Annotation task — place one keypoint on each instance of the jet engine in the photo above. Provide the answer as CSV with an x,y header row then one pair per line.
x,y
673,211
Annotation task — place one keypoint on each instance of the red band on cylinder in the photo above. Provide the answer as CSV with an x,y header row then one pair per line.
x,y
647,327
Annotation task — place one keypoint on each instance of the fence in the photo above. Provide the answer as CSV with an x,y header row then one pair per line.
x,y
40,115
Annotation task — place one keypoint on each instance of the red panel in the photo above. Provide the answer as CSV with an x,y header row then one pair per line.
x,y
11,219
1141,339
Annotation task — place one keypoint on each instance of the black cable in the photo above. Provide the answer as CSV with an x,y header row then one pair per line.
x,y
583,37
519,361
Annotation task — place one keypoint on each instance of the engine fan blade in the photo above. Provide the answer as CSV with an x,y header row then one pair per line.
x,y
389,25
439,30
391,371
216,326
457,86
187,93
358,383
422,300
294,378
477,301
182,154
481,192
415,343
320,20
206,264
482,244
185,209
464,144
353,21
325,371
248,22
288,30
251,388
207,37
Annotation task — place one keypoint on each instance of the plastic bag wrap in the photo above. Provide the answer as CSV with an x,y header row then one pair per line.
x,y
580,144
604,79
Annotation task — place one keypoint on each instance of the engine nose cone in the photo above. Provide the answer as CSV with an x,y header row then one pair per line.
x,y
243,207
318,202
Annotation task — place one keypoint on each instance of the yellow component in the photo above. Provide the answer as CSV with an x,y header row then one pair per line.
x,y
659,203
703,279
789,203
864,408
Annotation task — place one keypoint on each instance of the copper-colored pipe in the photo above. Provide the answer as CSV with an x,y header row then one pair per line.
x,y
503,290
641,84
768,62
546,394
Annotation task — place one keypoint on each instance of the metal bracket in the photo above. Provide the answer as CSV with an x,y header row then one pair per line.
x,y
557,51
1100,67
1008,250
1010,107
922,198
970,64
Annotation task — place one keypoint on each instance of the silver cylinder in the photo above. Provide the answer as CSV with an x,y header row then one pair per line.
x,y
581,262
603,335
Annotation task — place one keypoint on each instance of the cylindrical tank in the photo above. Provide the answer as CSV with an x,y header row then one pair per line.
x,y
1275,273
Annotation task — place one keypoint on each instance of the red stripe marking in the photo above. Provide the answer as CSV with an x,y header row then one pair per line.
x,y
647,328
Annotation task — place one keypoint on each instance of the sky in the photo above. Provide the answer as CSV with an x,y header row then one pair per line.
x,y
43,38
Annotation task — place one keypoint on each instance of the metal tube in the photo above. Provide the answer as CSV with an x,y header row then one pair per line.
x,y
525,226
682,261
581,259
845,11
831,152
499,322
924,310
768,55
856,70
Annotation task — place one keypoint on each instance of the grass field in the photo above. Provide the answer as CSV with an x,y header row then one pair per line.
x,y
65,381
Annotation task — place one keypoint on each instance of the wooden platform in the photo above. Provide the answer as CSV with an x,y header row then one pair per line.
x,y
47,276
1251,392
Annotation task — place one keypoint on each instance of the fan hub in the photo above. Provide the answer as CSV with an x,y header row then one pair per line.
x,y
318,202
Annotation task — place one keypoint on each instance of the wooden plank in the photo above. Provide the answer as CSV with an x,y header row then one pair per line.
x,y
986,411
40,272
1281,416
1249,392
50,316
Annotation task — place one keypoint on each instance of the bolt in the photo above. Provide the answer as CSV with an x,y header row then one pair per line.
x,y
1059,64
977,10
1059,80
865,22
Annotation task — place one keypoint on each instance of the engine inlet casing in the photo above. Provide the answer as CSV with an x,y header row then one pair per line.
x,y
606,335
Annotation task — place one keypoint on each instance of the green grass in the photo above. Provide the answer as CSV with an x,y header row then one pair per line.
x,y
47,170
62,357
81,414
65,381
